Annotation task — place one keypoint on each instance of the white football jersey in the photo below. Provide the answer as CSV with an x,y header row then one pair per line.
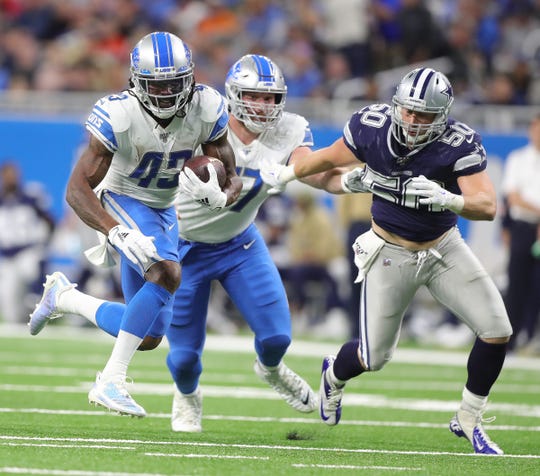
x,y
148,158
198,223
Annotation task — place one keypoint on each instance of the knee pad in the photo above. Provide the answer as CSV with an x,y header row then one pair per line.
x,y
182,363
272,349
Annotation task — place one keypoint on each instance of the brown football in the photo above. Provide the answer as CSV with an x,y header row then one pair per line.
x,y
199,164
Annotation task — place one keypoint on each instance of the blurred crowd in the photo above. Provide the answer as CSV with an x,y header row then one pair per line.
x,y
325,48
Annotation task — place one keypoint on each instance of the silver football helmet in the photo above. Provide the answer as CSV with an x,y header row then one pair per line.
x,y
255,74
427,91
162,73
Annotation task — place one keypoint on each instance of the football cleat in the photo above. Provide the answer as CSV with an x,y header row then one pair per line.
x,y
112,394
469,425
292,388
330,395
187,411
47,309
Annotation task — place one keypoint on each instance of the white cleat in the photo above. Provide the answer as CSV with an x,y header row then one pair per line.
x,y
292,388
469,425
330,396
47,309
187,411
112,394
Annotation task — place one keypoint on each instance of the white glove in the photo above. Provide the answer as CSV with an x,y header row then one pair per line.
x,y
206,193
352,181
277,176
434,194
138,248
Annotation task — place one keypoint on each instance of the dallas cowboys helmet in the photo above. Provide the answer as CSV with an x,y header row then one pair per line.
x,y
427,91
255,74
162,73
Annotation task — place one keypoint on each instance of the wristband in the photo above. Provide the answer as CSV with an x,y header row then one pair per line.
x,y
287,174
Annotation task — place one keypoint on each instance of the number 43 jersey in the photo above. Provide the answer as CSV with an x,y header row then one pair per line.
x,y
148,158
390,168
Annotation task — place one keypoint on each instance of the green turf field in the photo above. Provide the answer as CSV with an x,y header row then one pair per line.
x,y
394,421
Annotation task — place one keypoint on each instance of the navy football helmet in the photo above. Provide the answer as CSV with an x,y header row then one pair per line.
x,y
162,73
427,91
256,74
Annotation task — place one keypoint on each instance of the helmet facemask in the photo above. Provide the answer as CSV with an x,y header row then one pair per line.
x,y
425,91
255,74
162,74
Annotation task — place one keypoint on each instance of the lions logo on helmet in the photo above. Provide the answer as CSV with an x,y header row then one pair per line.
x,y
424,90
162,73
255,74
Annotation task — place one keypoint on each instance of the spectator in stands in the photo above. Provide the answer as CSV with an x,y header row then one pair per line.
x,y
26,227
314,245
520,187
354,211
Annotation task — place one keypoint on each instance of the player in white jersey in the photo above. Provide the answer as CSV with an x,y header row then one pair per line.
x,y
124,186
227,246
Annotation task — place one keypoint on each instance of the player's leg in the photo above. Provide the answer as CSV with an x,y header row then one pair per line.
x,y
461,283
255,287
149,302
186,336
386,291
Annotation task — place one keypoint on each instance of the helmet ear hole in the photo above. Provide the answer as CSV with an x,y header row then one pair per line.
x,y
255,74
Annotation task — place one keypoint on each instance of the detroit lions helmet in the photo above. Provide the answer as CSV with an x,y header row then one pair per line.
x,y
255,74
162,73
424,90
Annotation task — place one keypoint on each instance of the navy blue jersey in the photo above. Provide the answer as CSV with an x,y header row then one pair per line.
x,y
390,168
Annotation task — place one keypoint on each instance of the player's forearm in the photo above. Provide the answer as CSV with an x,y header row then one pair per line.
x,y
86,205
481,206
233,189
316,162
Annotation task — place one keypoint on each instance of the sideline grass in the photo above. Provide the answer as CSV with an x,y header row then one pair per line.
x,y
394,421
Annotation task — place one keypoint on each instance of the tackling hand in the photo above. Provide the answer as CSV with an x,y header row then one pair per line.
x,y
206,193
277,176
352,181
138,248
434,194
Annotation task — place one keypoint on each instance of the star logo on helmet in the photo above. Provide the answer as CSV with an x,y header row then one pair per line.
x,y
447,91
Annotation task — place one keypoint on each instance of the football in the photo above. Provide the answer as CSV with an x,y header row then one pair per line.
x,y
199,164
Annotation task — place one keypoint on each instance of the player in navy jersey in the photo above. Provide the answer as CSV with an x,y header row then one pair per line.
x,y
424,169
124,186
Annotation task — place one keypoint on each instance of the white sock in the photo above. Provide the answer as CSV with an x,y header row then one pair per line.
x,y
124,348
473,403
73,301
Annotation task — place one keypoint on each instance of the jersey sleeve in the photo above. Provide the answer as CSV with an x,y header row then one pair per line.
x,y
356,133
473,158
214,112
107,119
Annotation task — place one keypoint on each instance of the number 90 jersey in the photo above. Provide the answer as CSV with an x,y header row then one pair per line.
x,y
148,158
390,167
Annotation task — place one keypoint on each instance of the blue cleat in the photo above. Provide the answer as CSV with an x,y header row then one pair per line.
x,y
47,308
112,394
468,425
330,396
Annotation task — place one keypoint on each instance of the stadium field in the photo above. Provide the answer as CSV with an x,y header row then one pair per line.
x,y
394,421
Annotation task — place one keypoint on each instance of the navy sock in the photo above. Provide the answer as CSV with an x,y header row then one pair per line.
x,y
347,364
484,366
